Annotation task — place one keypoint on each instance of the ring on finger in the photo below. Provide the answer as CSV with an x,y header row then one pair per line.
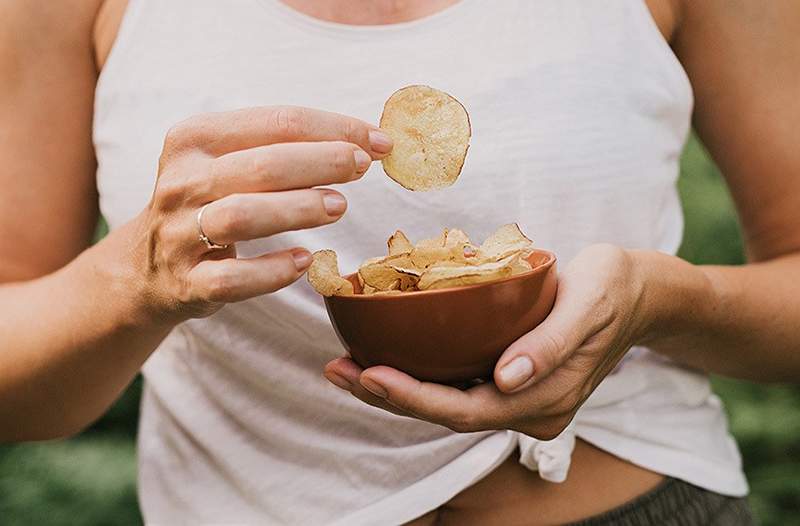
x,y
203,237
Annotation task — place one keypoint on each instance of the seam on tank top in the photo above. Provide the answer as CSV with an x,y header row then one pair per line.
x,y
324,28
122,44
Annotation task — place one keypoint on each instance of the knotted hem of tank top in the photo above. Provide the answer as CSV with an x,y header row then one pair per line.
x,y
551,458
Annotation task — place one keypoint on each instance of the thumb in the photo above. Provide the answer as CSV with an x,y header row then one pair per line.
x,y
536,354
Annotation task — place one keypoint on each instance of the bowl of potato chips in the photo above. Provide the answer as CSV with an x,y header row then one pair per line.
x,y
443,309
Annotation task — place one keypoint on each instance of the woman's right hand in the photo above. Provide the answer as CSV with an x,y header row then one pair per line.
x,y
258,170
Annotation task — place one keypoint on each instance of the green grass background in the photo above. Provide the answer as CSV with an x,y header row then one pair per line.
x,y
90,480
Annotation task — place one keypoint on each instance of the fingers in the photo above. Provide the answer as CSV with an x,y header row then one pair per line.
x,y
241,217
287,166
481,408
230,280
461,411
221,133
344,374
401,394
538,353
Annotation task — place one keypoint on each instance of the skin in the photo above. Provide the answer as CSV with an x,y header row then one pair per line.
x,y
64,362
740,322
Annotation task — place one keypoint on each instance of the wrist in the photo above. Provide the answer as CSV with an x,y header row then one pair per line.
x,y
117,267
673,294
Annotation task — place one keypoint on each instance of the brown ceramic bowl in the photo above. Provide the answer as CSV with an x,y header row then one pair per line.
x,y
446,335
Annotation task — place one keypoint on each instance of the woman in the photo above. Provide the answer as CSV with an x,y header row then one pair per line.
x,y
579,111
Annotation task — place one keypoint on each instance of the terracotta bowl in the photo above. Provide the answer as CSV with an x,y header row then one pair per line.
x,y
447,335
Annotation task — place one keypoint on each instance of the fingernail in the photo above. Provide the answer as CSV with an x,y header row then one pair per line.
x,y
516,373
335,204
339,381
302,259
374,387
363,160
380,142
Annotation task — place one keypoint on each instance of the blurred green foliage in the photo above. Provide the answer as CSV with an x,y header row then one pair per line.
x,y
90,480
764,419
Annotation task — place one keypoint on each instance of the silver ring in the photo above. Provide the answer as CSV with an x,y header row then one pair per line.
x,y
203,237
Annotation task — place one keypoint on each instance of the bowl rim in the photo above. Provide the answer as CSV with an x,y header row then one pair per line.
x,y
539,269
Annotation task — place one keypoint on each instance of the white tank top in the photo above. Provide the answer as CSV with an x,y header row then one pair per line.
x,y
579,113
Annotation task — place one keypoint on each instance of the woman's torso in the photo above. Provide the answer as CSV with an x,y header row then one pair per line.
x,y
579,114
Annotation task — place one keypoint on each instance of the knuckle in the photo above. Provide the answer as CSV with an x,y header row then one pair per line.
x,y
355,132
552,346
342,160
269,169
261,164
170,192
463,422
220,285
217,171
289,121
282,274
176,134
285,274
233,216
186,132
308,209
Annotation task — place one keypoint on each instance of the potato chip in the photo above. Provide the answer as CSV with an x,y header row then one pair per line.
x,y
424,257
440,277
408,283
520,265
431,132
408,277
399,244
323,275
455,237
378,272
506,240
407,271
387,292
434,242
447,260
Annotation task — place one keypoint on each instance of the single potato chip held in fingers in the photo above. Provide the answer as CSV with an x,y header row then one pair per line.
x,y
431,132
323,274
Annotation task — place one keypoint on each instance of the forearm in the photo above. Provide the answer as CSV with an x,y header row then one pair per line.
x,y
736,321
72,341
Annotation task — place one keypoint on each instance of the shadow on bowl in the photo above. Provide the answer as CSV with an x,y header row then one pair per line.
x,y
446,335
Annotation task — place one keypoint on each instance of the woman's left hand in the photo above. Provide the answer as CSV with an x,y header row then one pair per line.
x,y
541,380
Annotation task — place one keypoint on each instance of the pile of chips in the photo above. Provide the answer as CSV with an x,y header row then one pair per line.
x,y
431,133
446,261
